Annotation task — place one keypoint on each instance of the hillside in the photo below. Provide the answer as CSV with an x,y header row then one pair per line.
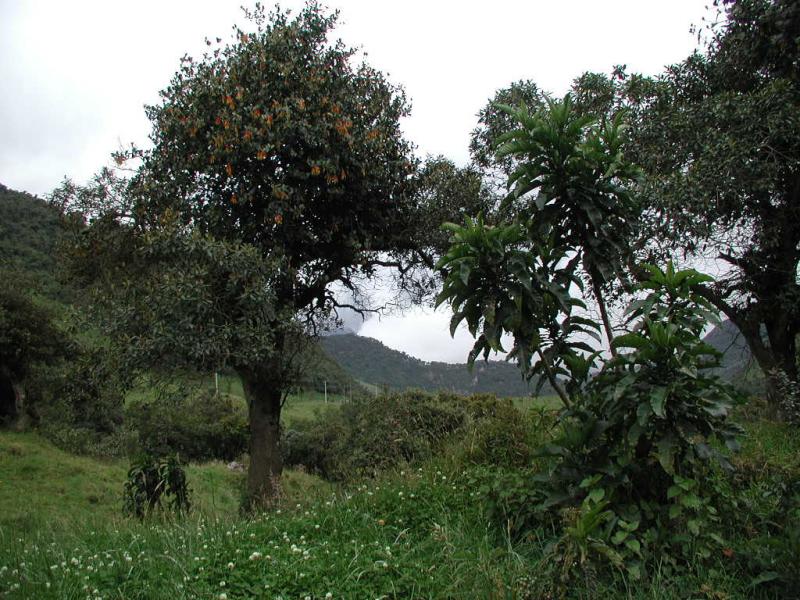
x,y
29,230
738,365
369,360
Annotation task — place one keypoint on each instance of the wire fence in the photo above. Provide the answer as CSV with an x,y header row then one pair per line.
x,y
309,388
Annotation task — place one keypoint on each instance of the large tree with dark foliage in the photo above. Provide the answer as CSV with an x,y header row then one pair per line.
x,y
277,174
719,138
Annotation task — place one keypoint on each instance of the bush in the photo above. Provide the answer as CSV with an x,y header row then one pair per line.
x,y
497,433
197,426
376,434
632,479
372,435
86,441
789,397
78,404
149,480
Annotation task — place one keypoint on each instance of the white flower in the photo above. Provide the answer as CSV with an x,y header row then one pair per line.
x,y
328,596
231,565
255,556
223,596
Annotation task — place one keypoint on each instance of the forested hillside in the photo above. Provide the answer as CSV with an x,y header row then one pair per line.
x,y
369,360
29,230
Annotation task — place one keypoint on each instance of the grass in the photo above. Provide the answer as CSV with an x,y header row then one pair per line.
x,y
42,486
412,533
302,404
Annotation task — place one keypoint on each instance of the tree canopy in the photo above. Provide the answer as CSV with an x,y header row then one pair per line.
x,y
277,171
719,138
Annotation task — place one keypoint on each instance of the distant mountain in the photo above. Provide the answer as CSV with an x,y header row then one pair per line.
x,y
738,365
368,360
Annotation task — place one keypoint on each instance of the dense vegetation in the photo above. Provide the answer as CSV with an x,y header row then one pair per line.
x,y
29,231
277,183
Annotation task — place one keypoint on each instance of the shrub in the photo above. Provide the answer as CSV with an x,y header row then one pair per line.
x,y
497,432
78,404
789,392
85,441
149,480
196,425
631,471
372,435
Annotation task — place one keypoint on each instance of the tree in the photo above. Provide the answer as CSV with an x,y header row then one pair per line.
x,y
446,192
277,172
28,337
494,122
568,210
581,184
719,138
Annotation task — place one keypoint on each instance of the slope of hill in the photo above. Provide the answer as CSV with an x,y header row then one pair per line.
x,y
29,231
369,360
738,365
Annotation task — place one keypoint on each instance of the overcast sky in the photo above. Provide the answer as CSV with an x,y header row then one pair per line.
x,y
76,74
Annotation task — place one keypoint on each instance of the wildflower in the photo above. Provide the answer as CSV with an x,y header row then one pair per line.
x,y
255,556
231,565
223,596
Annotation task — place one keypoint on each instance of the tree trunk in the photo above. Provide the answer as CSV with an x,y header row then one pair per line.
x,y
598,295
778,353
263,390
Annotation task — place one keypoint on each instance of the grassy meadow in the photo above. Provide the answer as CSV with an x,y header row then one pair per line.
x,y
416,531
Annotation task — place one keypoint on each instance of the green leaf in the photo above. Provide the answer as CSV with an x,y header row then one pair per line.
x,y
596,495
633,545
619,537
764,577
666,453
693,525
464,271
658,398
